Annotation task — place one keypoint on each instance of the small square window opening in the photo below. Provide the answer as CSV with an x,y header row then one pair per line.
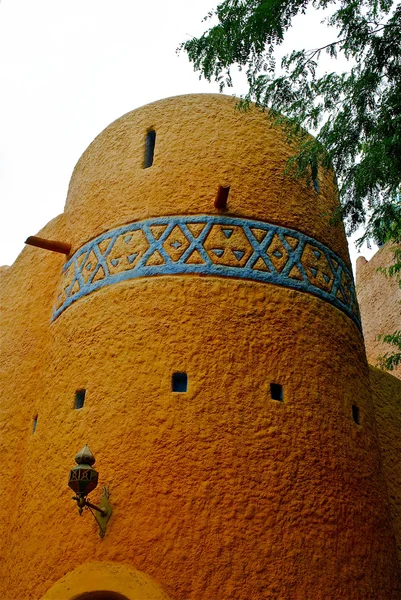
x,y
276,391
179,382
79,399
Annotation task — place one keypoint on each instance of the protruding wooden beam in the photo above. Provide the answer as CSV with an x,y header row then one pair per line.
x,y
51,245
221,197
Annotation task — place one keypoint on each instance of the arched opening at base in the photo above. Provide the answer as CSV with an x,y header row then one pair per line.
x,y
101,595
105,581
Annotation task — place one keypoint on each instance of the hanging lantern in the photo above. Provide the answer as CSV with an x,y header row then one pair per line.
x,y
83,478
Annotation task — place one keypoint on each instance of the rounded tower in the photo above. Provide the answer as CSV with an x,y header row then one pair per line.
x,y
205,342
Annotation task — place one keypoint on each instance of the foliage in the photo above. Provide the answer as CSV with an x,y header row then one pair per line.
x,y
356,114
391,360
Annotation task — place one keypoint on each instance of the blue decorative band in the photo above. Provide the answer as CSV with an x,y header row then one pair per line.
x,y
209,245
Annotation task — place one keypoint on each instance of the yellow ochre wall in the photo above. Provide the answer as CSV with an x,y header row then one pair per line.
x,y
219,492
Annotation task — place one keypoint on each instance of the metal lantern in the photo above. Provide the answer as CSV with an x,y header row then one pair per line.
x,y
83,478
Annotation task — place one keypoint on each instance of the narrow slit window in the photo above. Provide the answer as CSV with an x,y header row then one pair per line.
x,y
276,391
179,382
315,180
149,148
79,399
356,414
34,423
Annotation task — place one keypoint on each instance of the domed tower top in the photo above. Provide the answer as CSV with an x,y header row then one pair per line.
x,y
145,199
169,157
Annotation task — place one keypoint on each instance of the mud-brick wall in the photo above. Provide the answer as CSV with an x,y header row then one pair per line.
x,y
379,298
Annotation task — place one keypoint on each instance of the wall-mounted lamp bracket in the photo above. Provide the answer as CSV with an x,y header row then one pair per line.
x,y
104,514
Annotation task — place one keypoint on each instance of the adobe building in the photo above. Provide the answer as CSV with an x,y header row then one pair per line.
x,y
202,336
379,298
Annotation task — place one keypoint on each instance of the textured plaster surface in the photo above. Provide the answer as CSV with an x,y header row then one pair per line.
x,y
25,291
219,492
379,299
386,391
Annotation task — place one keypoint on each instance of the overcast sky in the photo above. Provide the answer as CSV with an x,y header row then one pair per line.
x,y
67,70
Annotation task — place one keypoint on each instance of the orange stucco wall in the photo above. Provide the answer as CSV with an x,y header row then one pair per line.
x,y
218,492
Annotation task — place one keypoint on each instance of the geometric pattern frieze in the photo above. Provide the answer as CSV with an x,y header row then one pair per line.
x,y
209,245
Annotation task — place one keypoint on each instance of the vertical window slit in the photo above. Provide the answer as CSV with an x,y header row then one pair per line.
x,y
179,382
34,423
315,180
149,148
356,414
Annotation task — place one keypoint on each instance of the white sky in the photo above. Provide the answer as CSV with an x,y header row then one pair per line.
x,y
67,70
